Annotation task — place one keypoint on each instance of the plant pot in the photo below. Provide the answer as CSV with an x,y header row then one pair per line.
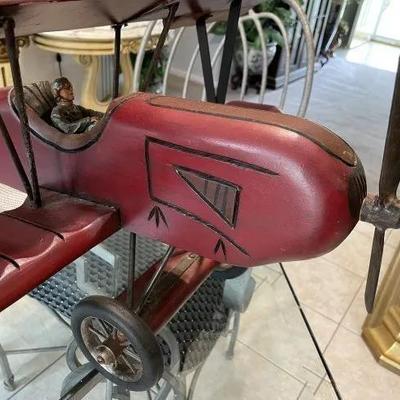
x,y
255,58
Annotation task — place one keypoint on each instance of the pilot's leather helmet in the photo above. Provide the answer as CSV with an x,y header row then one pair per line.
x,y
59,84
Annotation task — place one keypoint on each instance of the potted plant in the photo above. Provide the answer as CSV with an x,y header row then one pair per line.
x,y
272,39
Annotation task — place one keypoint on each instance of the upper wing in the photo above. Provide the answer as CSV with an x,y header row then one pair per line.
x,y
36,243
35,16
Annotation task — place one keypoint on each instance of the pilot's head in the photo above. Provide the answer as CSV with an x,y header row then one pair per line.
x,y
62,90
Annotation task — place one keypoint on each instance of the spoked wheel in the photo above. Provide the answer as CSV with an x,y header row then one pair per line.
x,y
117,342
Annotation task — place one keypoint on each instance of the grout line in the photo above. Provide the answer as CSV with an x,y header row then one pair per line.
x,y
343,317
341,267
302,391
35,377
273,363
313,372
306,306
320,384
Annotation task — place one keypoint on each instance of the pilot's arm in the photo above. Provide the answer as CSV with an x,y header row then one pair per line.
x,y
87,112
64,124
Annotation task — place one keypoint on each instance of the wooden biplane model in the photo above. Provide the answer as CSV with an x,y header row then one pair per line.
x,y
230,184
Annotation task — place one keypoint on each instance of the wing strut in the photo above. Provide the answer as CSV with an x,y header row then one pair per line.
x,y
8,26
208,77
160,44
230,39
117,59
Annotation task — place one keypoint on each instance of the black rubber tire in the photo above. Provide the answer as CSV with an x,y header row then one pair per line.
x,y
135,329
228,273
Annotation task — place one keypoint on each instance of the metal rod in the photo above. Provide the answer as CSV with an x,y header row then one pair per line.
x,y
131,269
83,386
154,279
308,82
230,40
310,331
117,59
374,269
214,60
195,379
202,38
6,371
109,390
160,44
234,335
15,157
12,53
36,350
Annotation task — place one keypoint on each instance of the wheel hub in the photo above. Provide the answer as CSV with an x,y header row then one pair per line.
x,y
111,349
105,356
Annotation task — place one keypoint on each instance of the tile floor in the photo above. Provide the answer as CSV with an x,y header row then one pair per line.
x,y
275,358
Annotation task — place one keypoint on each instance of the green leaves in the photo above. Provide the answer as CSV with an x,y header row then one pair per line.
x,y
270,30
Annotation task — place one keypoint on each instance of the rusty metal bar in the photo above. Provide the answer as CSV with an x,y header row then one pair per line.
x,y
117,59
154,279
8,26
160,44
230,40
131,269
208,75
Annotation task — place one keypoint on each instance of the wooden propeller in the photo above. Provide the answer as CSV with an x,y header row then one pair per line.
x,y
384,210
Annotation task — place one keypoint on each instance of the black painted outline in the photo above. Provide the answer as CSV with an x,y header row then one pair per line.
x,y
220,244
10,260
201,153
186,213
156,212
234,186
32,223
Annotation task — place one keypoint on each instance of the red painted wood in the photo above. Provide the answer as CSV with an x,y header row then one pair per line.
x,y
303,211
35,244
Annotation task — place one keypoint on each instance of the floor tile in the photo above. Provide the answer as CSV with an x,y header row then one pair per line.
x,y
28,323
266,273
258,280
26,368
355,316
247,377
393,238
325,392
365,228
354,253
323,286
274,328
356,372
322,327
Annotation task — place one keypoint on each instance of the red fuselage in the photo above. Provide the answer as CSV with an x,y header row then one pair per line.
x,y
236,185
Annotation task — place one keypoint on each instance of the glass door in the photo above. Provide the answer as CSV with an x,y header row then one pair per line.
x,y
388,25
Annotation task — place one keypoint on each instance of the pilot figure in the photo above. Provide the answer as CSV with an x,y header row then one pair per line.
x,y
67,116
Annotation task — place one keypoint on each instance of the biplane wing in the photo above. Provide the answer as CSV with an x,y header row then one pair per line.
x,y
37,243
35,16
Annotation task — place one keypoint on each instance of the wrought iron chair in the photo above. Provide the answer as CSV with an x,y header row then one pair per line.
x,y
257,18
